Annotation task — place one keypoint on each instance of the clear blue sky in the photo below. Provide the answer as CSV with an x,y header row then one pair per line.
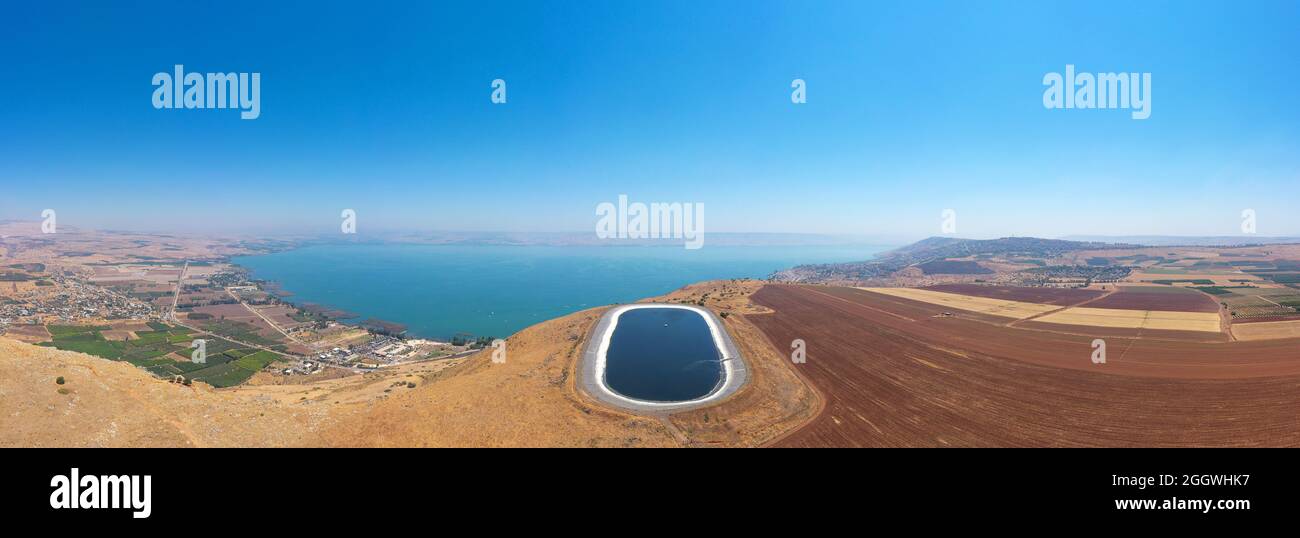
x,y
913,107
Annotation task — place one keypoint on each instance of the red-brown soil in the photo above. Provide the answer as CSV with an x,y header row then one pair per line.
x,y
1052,296
1165,301
895,372
1121,332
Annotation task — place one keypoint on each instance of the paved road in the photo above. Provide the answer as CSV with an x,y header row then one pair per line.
x,y
176,296
267,320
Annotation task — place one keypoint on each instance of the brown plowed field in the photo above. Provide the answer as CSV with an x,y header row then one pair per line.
x,y
1162,301
895,373
1121,332
1052,296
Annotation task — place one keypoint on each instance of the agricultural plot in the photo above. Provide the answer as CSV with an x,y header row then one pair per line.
x,y
1135,319
1269,330
983,305
1157,298
1247,303
239,330
158,350
1167,311
1173,277
1052,296
286,317
895,375
234,372
31,334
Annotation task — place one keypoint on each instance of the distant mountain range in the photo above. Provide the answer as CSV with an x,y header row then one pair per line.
x,y
590,239
1187,241
939,248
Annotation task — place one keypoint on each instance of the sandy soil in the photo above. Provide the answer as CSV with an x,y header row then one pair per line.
x,y
983,305
1267,330
1136,319
1051,296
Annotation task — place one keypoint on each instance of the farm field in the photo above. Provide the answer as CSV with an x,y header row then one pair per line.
x,y
1165,309
163,350
1051,296
1158,299
896,374
1245,304
1268,330
1199,278
234,367
31,334
1135,319
983,305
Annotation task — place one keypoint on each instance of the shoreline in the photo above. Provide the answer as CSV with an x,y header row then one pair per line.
x,y
755,261
326,311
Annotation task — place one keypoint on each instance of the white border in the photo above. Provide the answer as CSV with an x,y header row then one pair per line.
x,y
728,362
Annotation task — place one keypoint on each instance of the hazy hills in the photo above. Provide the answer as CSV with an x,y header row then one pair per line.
x,y
1188,241
934,249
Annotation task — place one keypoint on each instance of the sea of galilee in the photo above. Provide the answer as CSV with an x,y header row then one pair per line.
x,y
439,291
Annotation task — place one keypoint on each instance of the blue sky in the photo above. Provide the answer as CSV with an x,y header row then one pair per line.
x,y
913,108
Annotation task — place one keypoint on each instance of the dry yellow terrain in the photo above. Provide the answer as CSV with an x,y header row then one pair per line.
x,y
983,305
530,400
104,403
1135,319
1266,330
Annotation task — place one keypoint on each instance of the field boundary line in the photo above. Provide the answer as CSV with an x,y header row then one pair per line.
x,y
1036,316
841,299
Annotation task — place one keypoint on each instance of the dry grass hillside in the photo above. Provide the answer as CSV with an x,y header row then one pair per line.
x,y
113,404
530,400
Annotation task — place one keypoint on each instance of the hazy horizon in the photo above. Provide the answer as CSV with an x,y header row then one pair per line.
x,y
575,237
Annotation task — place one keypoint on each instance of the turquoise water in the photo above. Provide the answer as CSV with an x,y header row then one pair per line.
x,y
438,291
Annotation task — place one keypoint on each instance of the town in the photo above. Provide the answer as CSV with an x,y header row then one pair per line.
x,y
148,300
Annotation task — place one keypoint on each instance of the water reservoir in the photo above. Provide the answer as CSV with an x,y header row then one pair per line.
x,y
662,354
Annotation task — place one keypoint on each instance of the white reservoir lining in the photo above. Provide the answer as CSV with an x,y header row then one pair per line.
x,y
733,367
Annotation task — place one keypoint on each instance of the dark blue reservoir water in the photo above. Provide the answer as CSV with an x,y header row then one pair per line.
x,y
663,355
